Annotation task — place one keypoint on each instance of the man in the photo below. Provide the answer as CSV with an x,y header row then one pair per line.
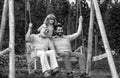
x,y
42,44
63,47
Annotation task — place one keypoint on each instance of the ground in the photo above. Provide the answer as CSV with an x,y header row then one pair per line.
x,y
100,69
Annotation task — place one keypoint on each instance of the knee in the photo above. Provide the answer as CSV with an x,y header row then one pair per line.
x,y
42,54
52,52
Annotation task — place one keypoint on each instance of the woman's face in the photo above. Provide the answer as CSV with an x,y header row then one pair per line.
x,y
51,21
44,32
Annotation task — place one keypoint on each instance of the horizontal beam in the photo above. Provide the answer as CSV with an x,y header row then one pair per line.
x,y
4,51
79,48
102,56
99,57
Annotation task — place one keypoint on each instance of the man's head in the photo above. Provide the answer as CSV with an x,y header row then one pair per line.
x,y
44,31
59,29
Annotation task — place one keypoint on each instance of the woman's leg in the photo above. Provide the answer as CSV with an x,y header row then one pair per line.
x,y
53,60
44,61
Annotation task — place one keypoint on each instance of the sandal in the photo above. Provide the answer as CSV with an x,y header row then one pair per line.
x,y
55,71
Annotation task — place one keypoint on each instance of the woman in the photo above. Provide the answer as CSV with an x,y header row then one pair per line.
x,y
49,21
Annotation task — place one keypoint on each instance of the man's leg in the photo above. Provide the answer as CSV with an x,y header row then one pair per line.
x,y
44,61
67,61
81,60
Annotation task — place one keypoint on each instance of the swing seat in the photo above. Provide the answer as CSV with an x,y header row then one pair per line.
x,y
34,62
73,59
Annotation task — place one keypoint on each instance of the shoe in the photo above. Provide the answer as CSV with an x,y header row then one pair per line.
x,y
55,71
84,75
46,74
70,74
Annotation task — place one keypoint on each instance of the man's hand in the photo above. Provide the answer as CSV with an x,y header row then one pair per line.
x,y
80,19
30,25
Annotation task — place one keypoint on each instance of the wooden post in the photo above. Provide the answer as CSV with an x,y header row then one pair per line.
x,y
96,42
4,14
90,40
12,39
105,40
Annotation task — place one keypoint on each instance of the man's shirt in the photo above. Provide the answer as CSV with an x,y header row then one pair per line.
x,y
62,44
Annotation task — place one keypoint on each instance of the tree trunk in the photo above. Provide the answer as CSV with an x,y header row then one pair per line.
x,y
3,22
105,40
11,40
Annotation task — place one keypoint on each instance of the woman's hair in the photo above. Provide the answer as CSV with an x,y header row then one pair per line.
x,y
50,16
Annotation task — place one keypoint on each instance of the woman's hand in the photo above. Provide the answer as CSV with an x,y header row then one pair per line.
x,y
30,25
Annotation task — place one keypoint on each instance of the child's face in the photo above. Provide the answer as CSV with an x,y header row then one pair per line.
x,y
51,21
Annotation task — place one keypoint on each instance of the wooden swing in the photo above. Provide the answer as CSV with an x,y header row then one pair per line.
x,y
32,62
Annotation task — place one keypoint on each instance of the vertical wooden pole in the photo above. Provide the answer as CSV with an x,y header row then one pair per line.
x,y
105,40
3,22
12,40
96,42
90,40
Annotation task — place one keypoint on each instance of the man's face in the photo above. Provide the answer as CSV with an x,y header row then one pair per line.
x,y
59,31
44,32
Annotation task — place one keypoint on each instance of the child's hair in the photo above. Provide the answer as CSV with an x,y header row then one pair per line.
x,y
50,16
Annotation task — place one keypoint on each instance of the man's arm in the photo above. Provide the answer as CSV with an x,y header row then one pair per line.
x,y
75,35
27,37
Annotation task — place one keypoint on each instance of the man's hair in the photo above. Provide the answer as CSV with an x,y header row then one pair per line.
x,y
58,25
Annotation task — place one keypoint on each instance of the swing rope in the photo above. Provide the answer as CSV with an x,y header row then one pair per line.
x,y
28,9
80,8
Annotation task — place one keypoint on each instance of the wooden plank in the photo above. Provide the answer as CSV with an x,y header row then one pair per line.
x,y
72,59
105,40
99,57
4,51
11,40
90,40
